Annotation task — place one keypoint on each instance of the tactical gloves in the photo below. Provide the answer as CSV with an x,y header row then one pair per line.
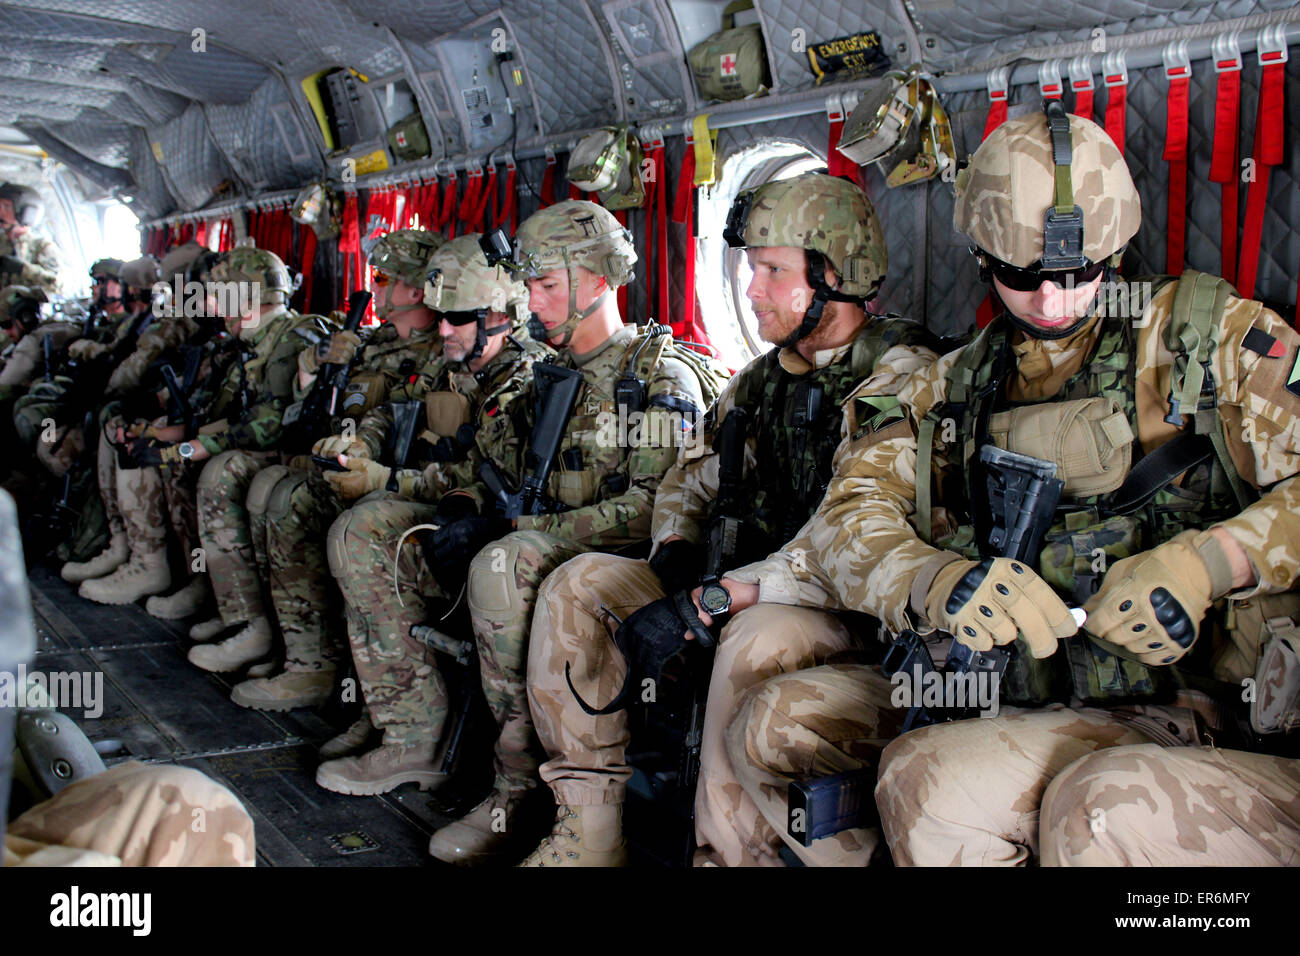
x,y
679,564
453,508
336,445
151,453
362,477
83,350
451,548
987,602
1152,604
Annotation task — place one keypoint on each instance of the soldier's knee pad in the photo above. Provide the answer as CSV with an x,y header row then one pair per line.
x,y
212,479
336,545
280,497
492,588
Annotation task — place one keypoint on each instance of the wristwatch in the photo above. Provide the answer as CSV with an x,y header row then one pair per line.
x,y
185,450
715,600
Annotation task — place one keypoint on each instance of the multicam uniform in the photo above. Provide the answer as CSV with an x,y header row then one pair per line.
x,y
969,792
40,258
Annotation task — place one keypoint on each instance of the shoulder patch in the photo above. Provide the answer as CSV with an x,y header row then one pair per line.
x,y
874,412
1261,343
1293,380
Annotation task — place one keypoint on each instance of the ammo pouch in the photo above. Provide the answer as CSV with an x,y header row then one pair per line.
x,y
363,393
1089,440
1264,646
444,413
732,63
407,139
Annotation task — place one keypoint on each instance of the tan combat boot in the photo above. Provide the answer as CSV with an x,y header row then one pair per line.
x,y
351,741
205,631
143,575
252,643
382,769
106,562
583,836
285,691
181,604
482,833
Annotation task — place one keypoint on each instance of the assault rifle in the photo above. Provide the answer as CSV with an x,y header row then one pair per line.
x,y
319,405
1023,493
556,390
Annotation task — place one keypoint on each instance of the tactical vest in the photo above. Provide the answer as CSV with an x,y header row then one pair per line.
x,y
1092,532
794,426
238,391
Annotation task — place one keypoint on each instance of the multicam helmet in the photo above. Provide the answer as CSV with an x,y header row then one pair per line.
x,y
458,280
404,254
105,269
575,233
819,213
28,207
140,273
249,264
1011,183
21,305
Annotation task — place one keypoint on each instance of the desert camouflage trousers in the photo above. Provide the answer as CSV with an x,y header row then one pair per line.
x,y
968,793
800,725
141,815
1147,805
586,752
143,503
232,496
504,580
401,684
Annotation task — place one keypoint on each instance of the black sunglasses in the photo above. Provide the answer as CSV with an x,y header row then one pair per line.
x,y
462,318
1027,280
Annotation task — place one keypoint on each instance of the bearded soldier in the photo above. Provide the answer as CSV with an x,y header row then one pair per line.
x,y
1171,506
818,256
242,493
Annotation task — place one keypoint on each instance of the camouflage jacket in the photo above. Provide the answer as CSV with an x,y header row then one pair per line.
x,y
861,549
40,259
248,406
606,474
389,369
26,362
161,336
489,390
795,469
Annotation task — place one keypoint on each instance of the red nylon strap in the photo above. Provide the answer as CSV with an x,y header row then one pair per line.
x,y
984,312
469,201
621,216
1083,103
510,207
447,214
684,212
548,186
429,206
307,265
837,164
349,240
1268,153
576,193
661,240
1223,162
652,188
1116,103
488,203
1176,155
997,114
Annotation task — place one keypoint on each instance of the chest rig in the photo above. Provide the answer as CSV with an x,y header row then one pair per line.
x,y
1091,532
795,428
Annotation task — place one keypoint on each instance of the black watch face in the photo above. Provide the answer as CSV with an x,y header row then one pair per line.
x,y
715,599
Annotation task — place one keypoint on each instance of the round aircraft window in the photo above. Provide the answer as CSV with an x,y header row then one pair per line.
x,y
730,320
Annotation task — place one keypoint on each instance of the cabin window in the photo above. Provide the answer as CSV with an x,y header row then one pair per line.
x,y
723,305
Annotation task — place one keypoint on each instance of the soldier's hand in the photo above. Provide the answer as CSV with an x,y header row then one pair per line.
x,y
454,545
679,564
362,477
342,347
85,349
336,445
1152,603
151,453
987,602
309,362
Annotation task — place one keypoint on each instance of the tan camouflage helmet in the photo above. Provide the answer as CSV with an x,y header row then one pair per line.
x,y
575,233
250,264
106,269
177,262
21,304
459,280
140,273
404,254
816,212
1003,194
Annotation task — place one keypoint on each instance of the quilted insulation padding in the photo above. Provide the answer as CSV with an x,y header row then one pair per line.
x,y
649,57
252,139
191,166
953,276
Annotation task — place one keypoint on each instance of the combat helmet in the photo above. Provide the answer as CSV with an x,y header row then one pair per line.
x,y
1047,192
463,288
177,261
28,207
403,254
250,264
22,306
829,218
569,234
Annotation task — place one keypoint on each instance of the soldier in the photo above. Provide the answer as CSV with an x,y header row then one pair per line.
x,y
818,256
20,319
25,257
297,505
244,494
484,368
1059,375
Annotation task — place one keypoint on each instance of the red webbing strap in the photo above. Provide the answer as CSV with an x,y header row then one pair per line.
x,y
621,216
1116,109
576,193
1176,155
487,202
997,111
646,266
307,264
1083,102
509,206
429,206
837,164
227,240
661,237
548,183
349,242
1268,153
446,221
469,203
201,233
1223,160
984,312
684,213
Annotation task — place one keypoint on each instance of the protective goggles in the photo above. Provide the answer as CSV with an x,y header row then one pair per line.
x,y
464,318
378,278
1027,280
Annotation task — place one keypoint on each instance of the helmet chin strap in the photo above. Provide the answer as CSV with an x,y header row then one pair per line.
x,y
483,334
566,328
822,293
